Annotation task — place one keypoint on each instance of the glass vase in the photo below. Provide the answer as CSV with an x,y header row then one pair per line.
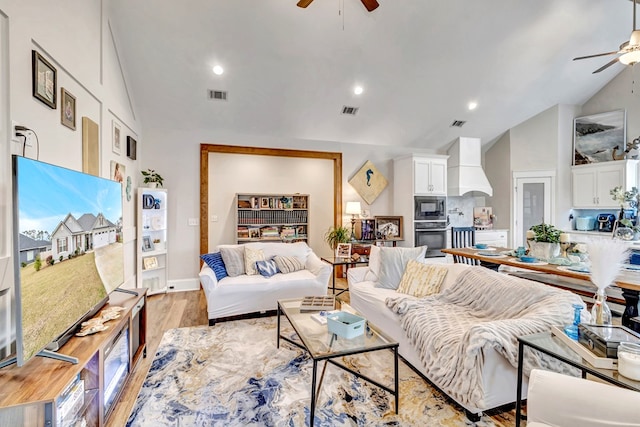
x,y
600,312
572,330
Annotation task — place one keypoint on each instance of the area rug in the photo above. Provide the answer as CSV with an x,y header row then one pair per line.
x,y
232,374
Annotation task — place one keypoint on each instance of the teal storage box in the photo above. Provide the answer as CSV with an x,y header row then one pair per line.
x,y
346,325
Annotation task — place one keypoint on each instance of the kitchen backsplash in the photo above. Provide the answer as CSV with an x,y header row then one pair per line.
x,y
462,205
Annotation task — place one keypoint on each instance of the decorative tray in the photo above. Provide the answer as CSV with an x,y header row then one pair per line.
x,y
318,303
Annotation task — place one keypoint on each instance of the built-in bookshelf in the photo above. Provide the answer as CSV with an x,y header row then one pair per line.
x,y
272,217
152,233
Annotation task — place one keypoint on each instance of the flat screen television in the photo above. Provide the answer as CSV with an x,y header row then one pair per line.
x,y
68,252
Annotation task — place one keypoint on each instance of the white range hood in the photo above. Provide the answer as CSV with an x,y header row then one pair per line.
x,y
464,170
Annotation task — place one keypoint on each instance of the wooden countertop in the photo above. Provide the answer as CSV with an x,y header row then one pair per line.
x,y
627,280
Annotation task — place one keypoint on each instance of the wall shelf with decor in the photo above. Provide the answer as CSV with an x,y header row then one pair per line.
x,y
152,259
272,217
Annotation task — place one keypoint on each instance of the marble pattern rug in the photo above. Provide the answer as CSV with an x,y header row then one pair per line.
x,y
232,374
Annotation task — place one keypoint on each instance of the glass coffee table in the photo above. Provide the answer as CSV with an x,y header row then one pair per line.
x,y
551,345
328,347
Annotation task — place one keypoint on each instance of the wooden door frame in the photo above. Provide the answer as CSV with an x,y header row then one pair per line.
x,y
206,149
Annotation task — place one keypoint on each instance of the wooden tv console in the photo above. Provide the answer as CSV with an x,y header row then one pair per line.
x,y
33,394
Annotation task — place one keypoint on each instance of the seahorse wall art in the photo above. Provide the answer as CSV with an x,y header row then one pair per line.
x,y
368,182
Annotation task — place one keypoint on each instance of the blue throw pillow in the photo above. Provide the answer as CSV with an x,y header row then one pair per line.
x,y
267,268
216,263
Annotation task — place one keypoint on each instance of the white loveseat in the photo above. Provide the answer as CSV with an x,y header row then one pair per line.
x,y
497,375
244,294
557,400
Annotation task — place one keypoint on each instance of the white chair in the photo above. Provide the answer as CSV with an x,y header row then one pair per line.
x,y
562,401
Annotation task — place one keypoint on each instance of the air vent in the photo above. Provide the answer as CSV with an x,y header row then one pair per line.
x,y
217,95
349,110
457,123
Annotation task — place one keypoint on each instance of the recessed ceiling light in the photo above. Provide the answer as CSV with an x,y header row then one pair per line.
x,y
472,105
358,90
218,70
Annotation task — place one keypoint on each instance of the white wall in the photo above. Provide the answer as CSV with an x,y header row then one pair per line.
x,y
269,175
74,37
181,170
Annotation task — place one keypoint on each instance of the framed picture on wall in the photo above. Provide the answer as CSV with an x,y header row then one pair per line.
x,y
67,109
599,137
116,135
131,147
44,83
389,227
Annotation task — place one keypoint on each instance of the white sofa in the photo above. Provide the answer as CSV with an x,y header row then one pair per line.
x,y
557,400
498,375
244,294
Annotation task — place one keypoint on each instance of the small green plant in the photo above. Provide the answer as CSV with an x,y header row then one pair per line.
x,y
23,264
61,258
151,175
38,264
336,235
546,233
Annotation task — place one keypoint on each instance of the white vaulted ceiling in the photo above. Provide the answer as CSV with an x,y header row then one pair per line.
x,y
289,71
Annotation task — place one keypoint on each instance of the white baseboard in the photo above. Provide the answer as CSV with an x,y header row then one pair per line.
x,y
183,285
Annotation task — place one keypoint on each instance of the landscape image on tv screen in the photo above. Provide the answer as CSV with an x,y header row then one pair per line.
x,y
70,248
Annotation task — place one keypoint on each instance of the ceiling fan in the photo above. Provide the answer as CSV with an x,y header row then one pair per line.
x,y
629,51
371,5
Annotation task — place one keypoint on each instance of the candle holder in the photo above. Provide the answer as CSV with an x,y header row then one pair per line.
x,y
564,246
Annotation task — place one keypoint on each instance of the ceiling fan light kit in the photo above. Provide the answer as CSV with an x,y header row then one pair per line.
x,y
370,5
629,51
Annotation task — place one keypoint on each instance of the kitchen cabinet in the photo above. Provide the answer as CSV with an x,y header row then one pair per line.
x,y
416,175
492,237
430,176
592,183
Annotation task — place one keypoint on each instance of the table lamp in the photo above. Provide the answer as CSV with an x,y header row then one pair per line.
x,y
353,209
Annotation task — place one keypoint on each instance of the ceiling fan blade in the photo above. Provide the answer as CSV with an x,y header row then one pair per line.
x,y
605,66
304,3
371,5
595,56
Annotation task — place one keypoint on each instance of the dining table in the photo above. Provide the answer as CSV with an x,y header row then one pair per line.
x,y
628,281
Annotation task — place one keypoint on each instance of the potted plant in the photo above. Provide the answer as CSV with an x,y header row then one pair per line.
x,y
546,241
336,235
152,178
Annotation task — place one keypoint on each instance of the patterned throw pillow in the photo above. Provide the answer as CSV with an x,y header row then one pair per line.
x,y
421,279
288,264
250,257
267,268
233,257
215,262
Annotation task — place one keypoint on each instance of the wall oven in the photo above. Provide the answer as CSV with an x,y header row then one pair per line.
x,y
433,234
430,208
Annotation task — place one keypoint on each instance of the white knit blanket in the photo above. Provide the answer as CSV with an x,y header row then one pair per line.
x,y
481,310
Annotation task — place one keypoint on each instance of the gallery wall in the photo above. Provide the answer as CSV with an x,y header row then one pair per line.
x,y
75,37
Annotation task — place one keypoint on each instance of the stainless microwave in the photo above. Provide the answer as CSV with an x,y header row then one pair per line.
x,y
430,208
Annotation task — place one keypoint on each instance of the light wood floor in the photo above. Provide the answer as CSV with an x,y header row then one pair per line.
x,y
164,312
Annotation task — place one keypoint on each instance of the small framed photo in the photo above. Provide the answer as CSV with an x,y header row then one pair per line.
x,y
389,227
264,202
343,250
67,109
44,82
150,263
116,142
147,244
131,147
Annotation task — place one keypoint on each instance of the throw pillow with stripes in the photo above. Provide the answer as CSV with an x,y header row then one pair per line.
x,y
288,264
421,279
